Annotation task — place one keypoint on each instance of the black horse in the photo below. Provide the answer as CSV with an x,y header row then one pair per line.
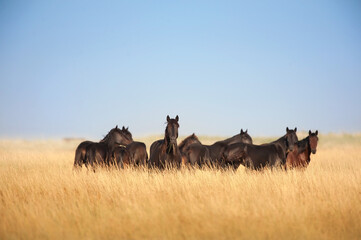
x,y
165,153
102,153
260,156
212,155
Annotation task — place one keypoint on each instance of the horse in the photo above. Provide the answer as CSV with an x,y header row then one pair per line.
x,y
102,153
80,154
165,152
212,155
260,156
121,157
191,156
300,156
137,153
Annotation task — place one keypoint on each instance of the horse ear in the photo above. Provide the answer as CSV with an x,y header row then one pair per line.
x,y
309,132
123,128
295,129
246,131
177,118
242,131
287,129
127,128
116,127
316,132
168,118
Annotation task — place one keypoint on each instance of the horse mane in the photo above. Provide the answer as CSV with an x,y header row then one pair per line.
x,y
231,138
107,136
187,139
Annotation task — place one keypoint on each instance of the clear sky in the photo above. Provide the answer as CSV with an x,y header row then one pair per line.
x,y
78,68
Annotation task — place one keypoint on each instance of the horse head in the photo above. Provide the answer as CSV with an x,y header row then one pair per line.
x,y
291,138
313,140
171,131
245,138
119,136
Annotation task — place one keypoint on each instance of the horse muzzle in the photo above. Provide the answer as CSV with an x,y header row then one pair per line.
x,y
173,140
313,151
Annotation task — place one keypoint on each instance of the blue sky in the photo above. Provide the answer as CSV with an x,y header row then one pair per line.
x,y
78,68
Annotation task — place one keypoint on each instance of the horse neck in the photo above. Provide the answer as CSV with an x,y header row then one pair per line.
x,y
234,139
184,144
282,142
303,145
110,142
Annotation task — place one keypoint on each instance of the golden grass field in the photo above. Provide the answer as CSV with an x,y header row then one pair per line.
x,y
42,198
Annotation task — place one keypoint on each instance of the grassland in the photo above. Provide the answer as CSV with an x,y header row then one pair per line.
x,y
42,198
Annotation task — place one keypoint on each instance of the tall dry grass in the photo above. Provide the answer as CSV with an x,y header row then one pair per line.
x,y
42,198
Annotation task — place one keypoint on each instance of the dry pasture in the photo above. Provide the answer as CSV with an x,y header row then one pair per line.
x,y
42,198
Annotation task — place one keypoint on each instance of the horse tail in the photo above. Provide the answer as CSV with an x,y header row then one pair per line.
x,y
119,159
90,158
79,158
146,160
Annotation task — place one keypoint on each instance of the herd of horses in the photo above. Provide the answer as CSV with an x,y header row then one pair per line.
x,y
117,148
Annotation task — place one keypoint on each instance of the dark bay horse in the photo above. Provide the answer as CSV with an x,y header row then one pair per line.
x,y
81,150
300,156
212,155
193,152
137,153
80,154
102,153
121,157
260,156
165,153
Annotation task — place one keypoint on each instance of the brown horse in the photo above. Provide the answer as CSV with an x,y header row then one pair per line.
x,y
121,157
212,155
137,150
102,153
259,156
300,156
165,153
138,153
193,152
80,154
